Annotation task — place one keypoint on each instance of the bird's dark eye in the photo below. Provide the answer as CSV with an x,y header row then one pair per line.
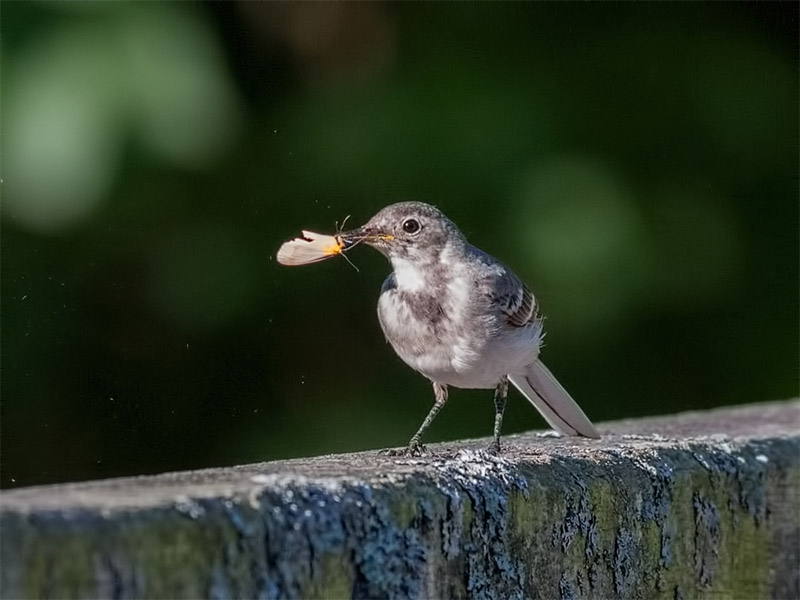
x,y
411,226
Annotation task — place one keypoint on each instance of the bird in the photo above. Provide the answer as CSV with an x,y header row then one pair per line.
x,y
461,318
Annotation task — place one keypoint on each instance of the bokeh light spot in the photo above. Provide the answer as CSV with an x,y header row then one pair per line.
x,y
586,242
182,101
62,131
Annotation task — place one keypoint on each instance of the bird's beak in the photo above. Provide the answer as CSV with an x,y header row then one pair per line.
x,y
364,234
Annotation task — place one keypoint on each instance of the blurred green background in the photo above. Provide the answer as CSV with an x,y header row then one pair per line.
x,y
636,164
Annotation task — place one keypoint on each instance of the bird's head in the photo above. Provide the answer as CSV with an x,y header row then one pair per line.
x,y
407,231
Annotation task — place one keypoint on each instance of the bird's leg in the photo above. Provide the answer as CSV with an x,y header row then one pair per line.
x,y
415,447
500,394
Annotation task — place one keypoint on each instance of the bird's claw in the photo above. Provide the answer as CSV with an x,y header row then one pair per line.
x,y
494,448
413,449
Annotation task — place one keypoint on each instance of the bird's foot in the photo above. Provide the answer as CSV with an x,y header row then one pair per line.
x,y
494,448
414,448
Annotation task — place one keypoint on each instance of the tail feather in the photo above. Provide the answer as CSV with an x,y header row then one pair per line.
x,y
549,397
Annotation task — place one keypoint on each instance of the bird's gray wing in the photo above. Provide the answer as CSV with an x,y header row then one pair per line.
x,y
513,299
537,383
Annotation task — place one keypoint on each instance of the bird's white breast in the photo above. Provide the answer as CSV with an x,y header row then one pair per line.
x,y
407,276
464,344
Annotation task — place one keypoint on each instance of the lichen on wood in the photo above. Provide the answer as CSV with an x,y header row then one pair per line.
x,y
685,506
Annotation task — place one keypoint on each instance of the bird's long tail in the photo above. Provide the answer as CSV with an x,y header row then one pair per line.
x,y
549,397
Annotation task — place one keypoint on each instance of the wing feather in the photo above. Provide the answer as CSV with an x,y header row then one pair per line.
x,y
514,300
522,310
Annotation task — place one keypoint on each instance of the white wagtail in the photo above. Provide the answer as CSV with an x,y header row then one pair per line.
x,y
461,317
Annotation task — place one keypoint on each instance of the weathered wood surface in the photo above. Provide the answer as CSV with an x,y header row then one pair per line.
x,y
692,505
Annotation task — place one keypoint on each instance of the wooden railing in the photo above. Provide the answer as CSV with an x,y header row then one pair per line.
x,y
692,505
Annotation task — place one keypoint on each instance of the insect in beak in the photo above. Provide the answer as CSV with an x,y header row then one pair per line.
x,y
312,247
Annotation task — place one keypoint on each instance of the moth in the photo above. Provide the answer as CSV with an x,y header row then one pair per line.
x,y
312,247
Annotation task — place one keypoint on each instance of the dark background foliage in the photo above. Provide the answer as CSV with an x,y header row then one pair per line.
x,y
636,164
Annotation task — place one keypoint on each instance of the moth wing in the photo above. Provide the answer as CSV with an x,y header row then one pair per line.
x,y
311,248
300,252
